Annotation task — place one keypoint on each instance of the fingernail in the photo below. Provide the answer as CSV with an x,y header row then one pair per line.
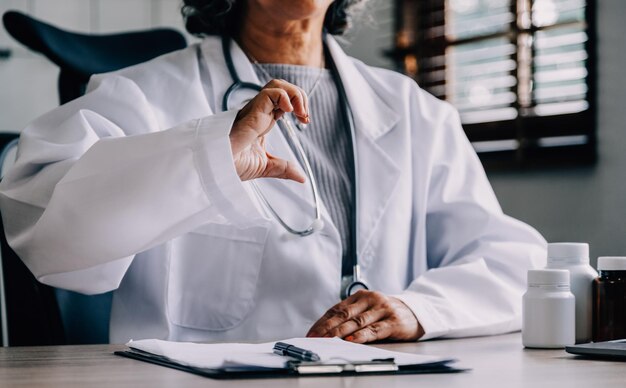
x,y
349,338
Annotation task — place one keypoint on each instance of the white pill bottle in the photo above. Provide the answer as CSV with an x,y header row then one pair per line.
x,y
574,257
548,310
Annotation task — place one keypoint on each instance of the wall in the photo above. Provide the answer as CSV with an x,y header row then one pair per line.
x,y
372,33
29,80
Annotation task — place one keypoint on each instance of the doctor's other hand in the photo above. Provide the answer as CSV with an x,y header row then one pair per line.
x,y
255,120
368,316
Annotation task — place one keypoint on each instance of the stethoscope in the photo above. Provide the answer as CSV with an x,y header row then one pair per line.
x,y
349,284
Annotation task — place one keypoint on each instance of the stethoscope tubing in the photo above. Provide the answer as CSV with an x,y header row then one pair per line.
x,y
238,84
289,132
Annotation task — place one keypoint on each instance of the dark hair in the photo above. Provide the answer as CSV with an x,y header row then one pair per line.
x,y
221,17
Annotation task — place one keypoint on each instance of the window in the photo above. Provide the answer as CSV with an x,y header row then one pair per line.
x,y
520,72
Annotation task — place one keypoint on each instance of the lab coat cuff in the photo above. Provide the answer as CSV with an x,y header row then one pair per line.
x,y
427,315
214,160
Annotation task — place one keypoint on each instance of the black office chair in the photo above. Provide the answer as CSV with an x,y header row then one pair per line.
x,y
80,55
38,314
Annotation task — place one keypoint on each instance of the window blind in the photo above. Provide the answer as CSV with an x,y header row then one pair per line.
x,y
520,72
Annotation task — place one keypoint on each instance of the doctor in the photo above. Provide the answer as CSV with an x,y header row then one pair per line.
x,y
161,184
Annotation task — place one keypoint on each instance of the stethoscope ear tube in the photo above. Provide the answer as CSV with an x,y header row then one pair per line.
x,y
233,88
350,285
237,83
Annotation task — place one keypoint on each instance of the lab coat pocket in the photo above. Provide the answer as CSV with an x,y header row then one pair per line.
x,y
213,275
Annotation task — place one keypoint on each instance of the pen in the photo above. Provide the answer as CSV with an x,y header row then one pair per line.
x,y
284,349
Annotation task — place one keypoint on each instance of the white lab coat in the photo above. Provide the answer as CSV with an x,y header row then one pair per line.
x,y
132,188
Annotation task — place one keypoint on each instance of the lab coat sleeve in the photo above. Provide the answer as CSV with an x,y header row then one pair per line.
x,y
477,256
97,181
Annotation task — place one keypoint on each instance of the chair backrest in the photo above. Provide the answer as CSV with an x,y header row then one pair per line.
x,y
81,55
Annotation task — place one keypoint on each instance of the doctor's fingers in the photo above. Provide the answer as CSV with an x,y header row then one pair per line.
x,y
377,331
297,97
358,322
400,323
342,312
378,309
280,168
275,101
258,116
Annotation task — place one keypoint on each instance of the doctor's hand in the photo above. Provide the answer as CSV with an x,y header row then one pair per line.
x,y
368,316
254,121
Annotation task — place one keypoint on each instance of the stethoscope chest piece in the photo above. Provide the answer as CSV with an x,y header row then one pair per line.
x,y
352,287
351,284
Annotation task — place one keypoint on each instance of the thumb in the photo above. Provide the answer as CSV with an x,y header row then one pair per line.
x,y
280,168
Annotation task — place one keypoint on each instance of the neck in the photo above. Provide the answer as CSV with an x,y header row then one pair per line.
x,y
296,42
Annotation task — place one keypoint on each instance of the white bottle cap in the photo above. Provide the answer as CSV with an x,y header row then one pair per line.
x,y
611,263
548,277
568,252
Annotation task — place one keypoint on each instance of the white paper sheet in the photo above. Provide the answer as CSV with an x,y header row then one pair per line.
x,y
216,356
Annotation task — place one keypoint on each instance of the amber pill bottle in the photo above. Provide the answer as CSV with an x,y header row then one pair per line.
x,y
609,299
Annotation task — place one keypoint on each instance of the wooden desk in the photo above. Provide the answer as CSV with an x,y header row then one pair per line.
x,y
496,362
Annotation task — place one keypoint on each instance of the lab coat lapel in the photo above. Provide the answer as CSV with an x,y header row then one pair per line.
x,y
298,211
377,172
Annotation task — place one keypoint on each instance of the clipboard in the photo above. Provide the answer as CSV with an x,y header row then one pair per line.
x,y
298,369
